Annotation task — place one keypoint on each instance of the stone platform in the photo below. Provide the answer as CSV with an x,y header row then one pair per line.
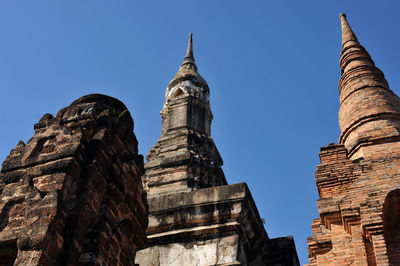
x,y
211,226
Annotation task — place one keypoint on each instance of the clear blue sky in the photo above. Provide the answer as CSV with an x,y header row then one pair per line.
x,y
272,68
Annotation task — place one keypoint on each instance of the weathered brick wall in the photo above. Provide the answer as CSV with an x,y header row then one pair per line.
x,y
73,193
352,228
358,179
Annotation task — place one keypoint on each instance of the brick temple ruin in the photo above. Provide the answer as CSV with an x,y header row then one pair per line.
x,y
78,192
358,179
73,194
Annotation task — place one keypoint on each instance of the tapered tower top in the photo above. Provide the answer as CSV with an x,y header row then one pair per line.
x,y
353,54
369,111
347,34
188,61
185,157
188,89
188,71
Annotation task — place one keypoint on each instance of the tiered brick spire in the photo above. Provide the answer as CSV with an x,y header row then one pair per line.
x,y
347,33
358,178
369,111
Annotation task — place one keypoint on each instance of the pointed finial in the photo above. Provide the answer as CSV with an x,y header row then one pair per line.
x,y
347,34
189,52
188,61
188,69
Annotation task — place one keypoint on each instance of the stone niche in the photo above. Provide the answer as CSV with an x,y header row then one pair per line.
x,y
73,194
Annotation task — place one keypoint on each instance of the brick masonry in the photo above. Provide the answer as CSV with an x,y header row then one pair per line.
x,y
358,179
73,194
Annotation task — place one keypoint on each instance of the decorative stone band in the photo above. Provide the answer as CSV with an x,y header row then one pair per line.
x,y
187,87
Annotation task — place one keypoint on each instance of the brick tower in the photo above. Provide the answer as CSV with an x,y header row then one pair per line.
x,y
195,218
358,179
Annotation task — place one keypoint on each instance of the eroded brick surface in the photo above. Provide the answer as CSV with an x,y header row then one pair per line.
x,y
358,179
73,193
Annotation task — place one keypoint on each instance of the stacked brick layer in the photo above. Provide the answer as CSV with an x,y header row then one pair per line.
x,y
369,111
354,201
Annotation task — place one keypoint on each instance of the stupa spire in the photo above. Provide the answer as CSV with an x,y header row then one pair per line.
x,y
369,111
347,33
189,52
353,54
188,61
186,123
188,70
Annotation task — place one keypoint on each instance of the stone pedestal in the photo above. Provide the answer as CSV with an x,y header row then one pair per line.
x,y
211,226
